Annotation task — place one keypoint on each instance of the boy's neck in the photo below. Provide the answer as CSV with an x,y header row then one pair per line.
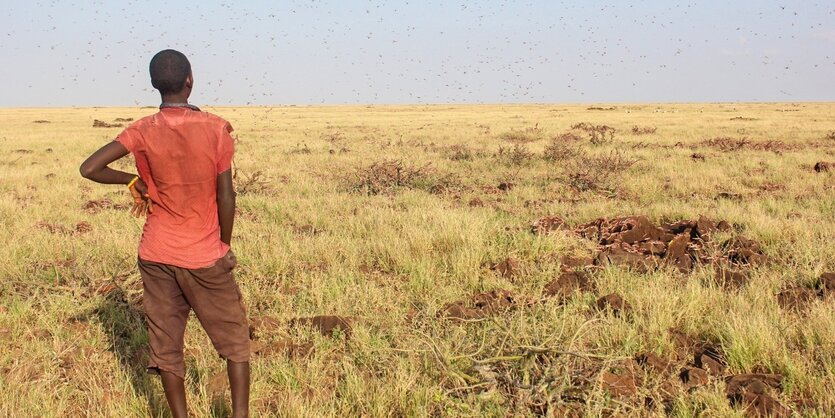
x,y
175,98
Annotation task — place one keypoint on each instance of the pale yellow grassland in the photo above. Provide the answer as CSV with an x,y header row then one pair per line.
x,y
69,348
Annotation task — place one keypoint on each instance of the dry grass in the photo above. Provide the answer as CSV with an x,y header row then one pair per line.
x,y
387,235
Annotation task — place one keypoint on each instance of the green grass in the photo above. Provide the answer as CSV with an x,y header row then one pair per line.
x,y
393,260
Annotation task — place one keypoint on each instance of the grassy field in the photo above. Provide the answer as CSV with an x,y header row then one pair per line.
x,y
388,215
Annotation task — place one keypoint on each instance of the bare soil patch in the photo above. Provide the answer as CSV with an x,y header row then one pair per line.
x,y
480,305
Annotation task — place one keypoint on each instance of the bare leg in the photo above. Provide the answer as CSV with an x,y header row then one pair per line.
x,y
175,392
239,382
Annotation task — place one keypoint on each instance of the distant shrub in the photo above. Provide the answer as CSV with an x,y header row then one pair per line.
x,y
561,149
598,134
643,130
390,176
530,134
517,155
460,152
247,184
591,173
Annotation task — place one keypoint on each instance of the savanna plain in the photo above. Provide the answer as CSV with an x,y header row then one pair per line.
x,y
518,260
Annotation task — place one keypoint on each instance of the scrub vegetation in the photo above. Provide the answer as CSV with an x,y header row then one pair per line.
x,y
502,260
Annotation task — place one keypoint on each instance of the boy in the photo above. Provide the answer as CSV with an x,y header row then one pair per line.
x,y
184,186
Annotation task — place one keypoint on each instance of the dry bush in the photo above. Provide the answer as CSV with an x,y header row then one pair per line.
x,y
591,173
254,183
529,134
518,155
560,150
728,144
390,176
598,134
303,149
334,137
643,130
460,152
830,135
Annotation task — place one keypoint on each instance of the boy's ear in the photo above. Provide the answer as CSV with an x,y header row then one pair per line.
x,y
189,81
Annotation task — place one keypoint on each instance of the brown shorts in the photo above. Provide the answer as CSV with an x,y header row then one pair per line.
x,y
171,292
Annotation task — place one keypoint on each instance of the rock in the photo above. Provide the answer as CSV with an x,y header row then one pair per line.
x,y
823,166
796,298
730,278
568,262
494,301
619,385
724,226
482,305
742,251
705,227
638,229
458,310
568,283
754,392
826,285
547,225
759,383
677,254
652,248
710,359
617,256
693,377
653,362
613,302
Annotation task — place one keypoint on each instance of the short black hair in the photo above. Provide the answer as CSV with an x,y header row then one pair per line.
x,y
169,70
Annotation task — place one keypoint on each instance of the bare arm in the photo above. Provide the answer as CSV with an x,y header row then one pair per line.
x,y
225,205
95,167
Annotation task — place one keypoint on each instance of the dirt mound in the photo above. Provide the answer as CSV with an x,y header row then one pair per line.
x,y
569,283
796,298
102,124
826,285
822,166
754,392
613,302
507,268
637,243
96,206
506,186
326,324
568,262
476,203
82,227
480,305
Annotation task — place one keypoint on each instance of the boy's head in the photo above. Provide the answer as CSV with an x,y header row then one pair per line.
x,y
170,72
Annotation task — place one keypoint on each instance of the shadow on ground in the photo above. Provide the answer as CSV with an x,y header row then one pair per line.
x,y
127,335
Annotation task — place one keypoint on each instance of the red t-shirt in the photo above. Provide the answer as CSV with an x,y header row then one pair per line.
x,y
179,152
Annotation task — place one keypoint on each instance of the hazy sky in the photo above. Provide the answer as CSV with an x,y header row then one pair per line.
x,y
282,52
